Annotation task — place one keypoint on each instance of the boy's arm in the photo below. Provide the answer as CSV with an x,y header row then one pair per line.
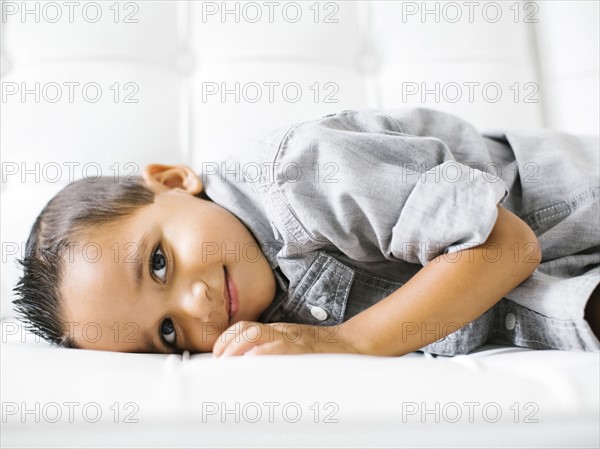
x,y
447,293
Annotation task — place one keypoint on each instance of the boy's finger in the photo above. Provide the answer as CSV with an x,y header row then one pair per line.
x,y
264,349
238,348
276,348
244,333
230,334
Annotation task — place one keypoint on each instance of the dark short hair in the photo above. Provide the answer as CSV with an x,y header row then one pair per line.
x,y
77,209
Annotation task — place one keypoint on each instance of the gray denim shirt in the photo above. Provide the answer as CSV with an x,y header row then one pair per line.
x,y
348,207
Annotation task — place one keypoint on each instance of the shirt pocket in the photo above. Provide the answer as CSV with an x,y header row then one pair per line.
x,y
321,295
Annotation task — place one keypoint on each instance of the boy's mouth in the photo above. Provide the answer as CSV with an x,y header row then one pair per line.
x,y
231,300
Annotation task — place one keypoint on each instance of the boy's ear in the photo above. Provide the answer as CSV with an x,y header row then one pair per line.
x,y
161,178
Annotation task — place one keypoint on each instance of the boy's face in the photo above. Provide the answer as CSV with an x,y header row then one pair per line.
x,y
186,249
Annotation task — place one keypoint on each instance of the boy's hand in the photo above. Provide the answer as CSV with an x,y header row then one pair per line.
x,y
252,338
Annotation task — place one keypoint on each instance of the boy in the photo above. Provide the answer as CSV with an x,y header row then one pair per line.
x,y
372,233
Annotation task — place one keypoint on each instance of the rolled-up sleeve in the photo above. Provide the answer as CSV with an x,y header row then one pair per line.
x,y
451,208
374,191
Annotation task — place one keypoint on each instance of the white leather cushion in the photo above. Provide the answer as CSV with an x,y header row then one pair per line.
x,y
543,397
415,49
224,123
154,38
567,36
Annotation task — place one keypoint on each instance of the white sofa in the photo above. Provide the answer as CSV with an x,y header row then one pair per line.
x,y
155,81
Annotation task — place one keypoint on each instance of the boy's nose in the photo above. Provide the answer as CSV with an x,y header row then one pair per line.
x,y
196,302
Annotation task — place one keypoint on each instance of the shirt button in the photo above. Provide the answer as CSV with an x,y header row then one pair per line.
x,y
319,313
510,321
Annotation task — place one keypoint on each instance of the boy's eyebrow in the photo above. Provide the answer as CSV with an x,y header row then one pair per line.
x,y
139,262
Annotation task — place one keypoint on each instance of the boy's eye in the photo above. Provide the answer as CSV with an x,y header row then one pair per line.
x,y
158,264
167,331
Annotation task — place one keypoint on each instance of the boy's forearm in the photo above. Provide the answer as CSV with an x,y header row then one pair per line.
x,y
447,293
